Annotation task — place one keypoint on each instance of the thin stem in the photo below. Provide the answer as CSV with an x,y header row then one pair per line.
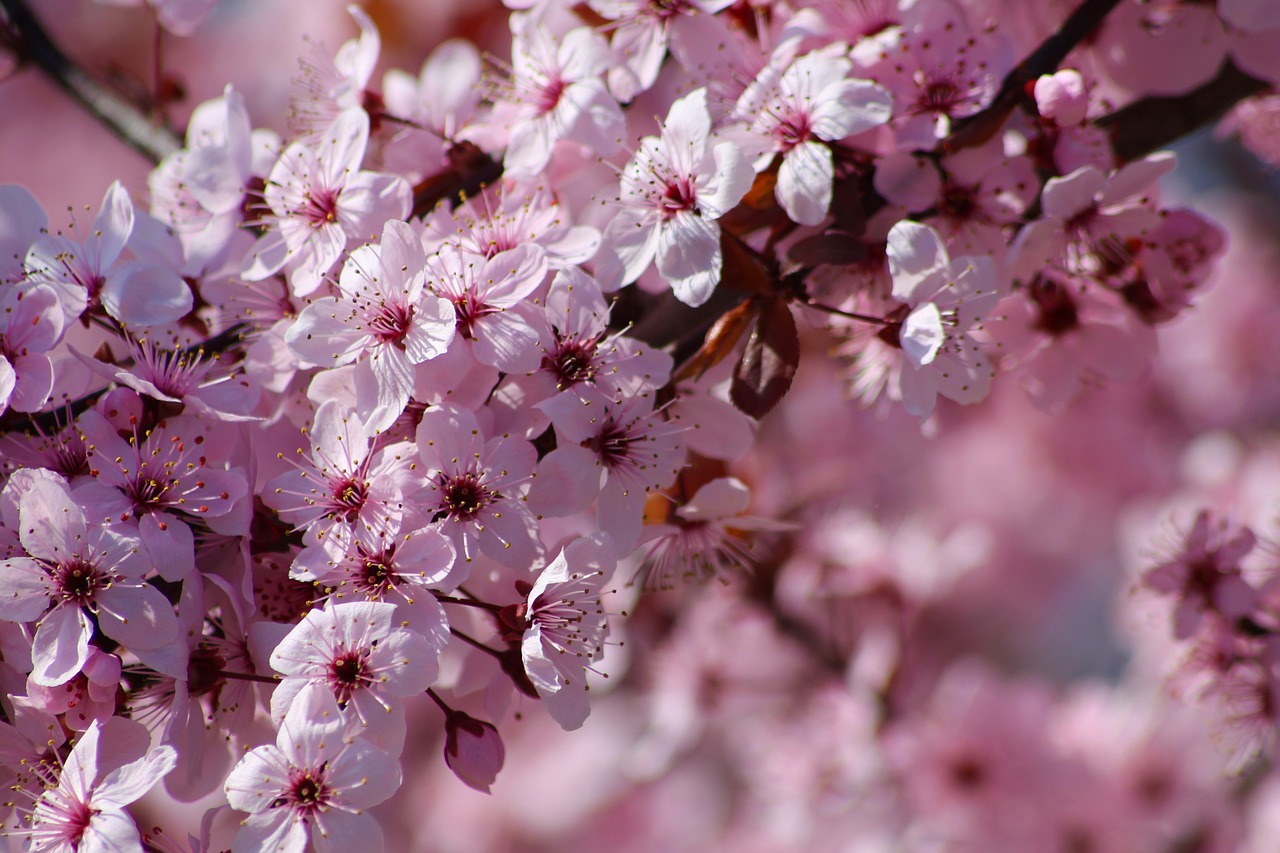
x,y
122,118
467,602
865,318
471,641
440,702
251,676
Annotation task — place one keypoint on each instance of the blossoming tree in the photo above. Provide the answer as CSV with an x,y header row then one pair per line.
x,y
712,423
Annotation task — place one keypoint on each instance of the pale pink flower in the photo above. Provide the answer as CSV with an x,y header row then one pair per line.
x,y
1203,575
707,538
489,297
400,565
477,485
109,768
567,626
78,570
792,112
357,652
508,216
944,300
582,350
90,274
201,190
22,221
328,86
148,483
314,785
939,72
319,202
618,450
382,320
672,193
343,481
204,386
1087,215
640,40
30,326
555,92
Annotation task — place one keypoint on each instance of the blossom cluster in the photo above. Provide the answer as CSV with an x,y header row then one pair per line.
x,y
389,416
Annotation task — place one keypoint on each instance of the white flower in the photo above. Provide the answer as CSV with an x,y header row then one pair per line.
x,y
673,191
944,300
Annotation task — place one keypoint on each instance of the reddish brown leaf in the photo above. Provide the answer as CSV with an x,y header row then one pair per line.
x,y
721,339
743,269
769,361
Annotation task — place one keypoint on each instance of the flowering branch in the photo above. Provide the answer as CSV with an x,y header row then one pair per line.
x,y
1152,123
123,118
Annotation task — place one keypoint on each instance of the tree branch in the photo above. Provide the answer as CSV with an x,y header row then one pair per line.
x,y
1152,123
1044,60
124,119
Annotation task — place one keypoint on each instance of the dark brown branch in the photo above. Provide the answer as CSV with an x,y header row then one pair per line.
x,y
124,119
1045,60
1152,123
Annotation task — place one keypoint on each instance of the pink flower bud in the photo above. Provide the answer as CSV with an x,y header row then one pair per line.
x,y
1061,98
473,750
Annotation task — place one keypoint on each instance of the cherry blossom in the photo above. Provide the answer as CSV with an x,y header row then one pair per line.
x,y
477,486
567,626
109,768
383,321
30,325
672,192
812,99
354,650
555,92
318,202
91,274
79,571
944,300
313,785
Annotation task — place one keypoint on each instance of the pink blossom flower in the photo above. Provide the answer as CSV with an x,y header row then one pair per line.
x,y
313,786
707,538
206,387
788,112
109,768
398,564
640,41
148,482
328,86
508,216
30,326
672,193
477,486
489,301
582,350
555,92
90,274
618,450
344,482
939,72
319,202
382,320
567,626
78,570
1203,574
354,650
944,300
